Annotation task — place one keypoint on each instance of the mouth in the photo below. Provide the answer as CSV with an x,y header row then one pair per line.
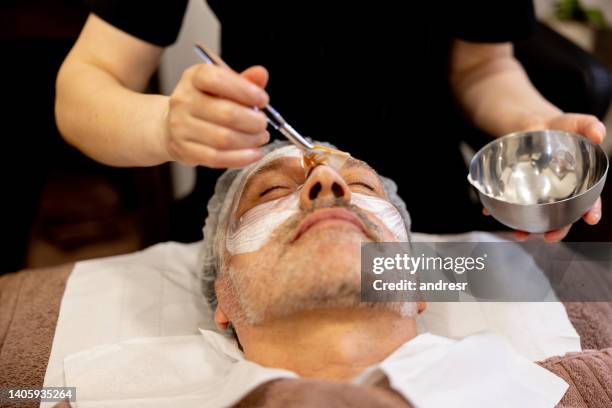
x,y
325,215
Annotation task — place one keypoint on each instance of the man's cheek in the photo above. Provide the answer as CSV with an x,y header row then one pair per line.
x,y
227,298
382,231
387,235
252,265
241,262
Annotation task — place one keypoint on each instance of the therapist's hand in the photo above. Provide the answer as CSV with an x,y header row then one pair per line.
x,y
588,126
211,120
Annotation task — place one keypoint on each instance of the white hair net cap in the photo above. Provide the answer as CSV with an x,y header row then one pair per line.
x,y
219,208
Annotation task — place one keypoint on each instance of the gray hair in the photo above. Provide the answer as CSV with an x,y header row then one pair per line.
x,y
219,208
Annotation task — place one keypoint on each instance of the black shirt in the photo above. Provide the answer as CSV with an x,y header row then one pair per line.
x,y
372,78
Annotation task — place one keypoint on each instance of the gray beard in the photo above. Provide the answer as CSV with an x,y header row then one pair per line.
x,y
292,284
259,307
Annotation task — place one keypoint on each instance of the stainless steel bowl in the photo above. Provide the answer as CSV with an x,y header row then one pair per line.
x,y
539,181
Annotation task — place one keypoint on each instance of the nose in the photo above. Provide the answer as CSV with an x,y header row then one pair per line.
x,y
324,183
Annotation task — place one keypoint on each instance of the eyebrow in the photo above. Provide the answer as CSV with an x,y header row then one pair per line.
x,y
351,163
270,167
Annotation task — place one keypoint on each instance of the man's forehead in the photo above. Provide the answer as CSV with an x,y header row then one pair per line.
x,y
278,154
352,163
289,157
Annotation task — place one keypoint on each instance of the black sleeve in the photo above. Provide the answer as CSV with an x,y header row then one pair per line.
x,y
491,20
157,22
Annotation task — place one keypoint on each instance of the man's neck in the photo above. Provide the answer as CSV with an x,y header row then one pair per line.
x,y
333,343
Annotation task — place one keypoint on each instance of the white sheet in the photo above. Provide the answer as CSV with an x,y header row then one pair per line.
x,y
156,293
537,330
150,293
479,371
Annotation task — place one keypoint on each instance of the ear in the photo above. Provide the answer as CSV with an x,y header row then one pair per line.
x,y
421,306
221,319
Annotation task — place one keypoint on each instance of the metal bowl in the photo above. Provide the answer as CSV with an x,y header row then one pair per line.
x,y
539,181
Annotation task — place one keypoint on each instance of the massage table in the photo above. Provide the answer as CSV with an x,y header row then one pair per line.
x,y
30,302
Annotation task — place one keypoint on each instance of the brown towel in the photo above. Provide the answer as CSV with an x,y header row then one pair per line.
x,y
589,375
29,307
294,393
593,322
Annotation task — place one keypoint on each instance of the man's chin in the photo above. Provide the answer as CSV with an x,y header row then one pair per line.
x,y
321,269
324,252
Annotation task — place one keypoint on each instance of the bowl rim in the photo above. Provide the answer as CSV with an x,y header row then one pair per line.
x,y
529,132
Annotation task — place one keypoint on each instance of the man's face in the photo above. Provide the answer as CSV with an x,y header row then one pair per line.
x,y
312,259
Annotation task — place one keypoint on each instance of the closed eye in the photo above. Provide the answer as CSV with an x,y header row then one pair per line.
x,y
270,189
358,183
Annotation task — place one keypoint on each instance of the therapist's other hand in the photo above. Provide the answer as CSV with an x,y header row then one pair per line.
x,y
588,126
211,120
591,217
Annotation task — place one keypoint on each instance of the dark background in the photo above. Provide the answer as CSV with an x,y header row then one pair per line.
x,y
58,205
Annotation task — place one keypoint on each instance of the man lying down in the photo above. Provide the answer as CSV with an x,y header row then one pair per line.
x,y
281,270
